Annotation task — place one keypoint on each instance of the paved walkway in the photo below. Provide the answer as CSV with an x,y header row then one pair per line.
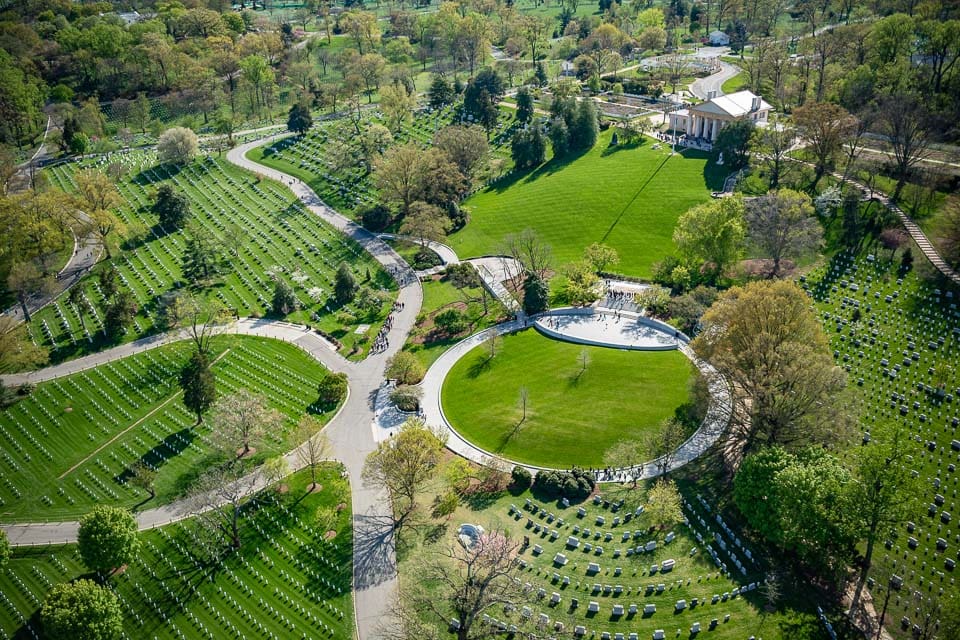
x,y
569,325
608,328
701,87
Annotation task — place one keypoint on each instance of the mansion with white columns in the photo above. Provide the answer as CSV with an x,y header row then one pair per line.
x,y
705,120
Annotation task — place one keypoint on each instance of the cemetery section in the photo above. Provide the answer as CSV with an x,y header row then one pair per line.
x,y
266,234
291,578
70,444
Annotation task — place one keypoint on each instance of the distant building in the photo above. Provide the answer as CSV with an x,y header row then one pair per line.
x,y
705,120
130,17
719,38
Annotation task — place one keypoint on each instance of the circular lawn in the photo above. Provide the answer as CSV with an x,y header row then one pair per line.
x,y
574,414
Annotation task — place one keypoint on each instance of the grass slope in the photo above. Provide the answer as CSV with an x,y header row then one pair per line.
x,y
288,580
573,417
67,446
628,198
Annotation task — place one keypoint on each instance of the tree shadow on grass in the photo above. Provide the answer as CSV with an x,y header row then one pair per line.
x,y
479,366
622,146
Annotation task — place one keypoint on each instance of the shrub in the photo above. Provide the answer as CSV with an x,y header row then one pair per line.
x,y
333,388
522,479
406,397
375,218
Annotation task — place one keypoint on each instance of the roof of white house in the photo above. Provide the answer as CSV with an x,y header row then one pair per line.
x,y
718,34
734,105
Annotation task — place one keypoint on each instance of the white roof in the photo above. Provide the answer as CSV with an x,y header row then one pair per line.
x,y
735,104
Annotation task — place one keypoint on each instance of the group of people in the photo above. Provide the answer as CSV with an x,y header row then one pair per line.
x,y
381,342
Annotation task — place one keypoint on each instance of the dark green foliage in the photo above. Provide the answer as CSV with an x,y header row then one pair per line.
x,y
81,610
4,548
375,218
172,208
573,485
441,92
540,75
450,321
119,312
199,385
284,301
333,388
481,96
107,538
344,285
528,148
299,120
559,137
202,258
585,127
524,105
521,478
733,142
107,279
536,295
425,258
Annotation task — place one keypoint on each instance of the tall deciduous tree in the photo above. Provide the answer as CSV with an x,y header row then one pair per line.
x,y
663,505
398,175
240,421
81,610
903,119
782,225
177,145
217,500
824,127
425,222
199,384
107,538
404,464
765,340
772,144
313,446
733,142
710,236
467,146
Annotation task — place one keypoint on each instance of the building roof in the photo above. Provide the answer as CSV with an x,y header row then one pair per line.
x,y
734,105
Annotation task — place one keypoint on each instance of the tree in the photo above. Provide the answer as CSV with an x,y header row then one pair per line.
x,y
528,148
604,41
404,464
172,208
663,504
466,146
397,104
663,444
81,610
733,142
903,119
582,286
177,145
202,318
524,105
119,313
332,388
313,446
398,175
107,226
710,235
107,538
450,321
460,582
140,112
772,144
950,230
584,128
284,301
600,256
824,126
481,97
782,225
406,397
199,384
425,222
25,280
202,257
529,251
216,499
97,191
768,344
143,476
440,93
404,367
883,496
344,284
536,295
241,419
299,119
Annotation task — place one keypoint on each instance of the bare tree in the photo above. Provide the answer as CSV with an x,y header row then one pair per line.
x,y
530,251
314,447
460,583
782,224
903,119
773,144
217,502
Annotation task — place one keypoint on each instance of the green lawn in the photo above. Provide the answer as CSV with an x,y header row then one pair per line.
x,y
289,579
268,231
69,444
628,198
736,83
573,416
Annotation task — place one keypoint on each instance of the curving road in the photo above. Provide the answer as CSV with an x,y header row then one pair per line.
x,y
701,87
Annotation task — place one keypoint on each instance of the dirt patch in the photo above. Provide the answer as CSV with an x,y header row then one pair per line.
x,y
314,487
762,267
119,571
341,507
330,535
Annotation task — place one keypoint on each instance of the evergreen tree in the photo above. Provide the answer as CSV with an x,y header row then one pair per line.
x,y
524,106
172,208
299,120
199,385
528,148
440,93
284,301
536,295
344,285
585,128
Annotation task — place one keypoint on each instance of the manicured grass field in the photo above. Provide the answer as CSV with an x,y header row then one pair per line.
x,y
67,446
901,355
289,579
573,415
262,223
628,198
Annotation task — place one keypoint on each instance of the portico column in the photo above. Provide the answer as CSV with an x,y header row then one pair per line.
x,y
716,130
